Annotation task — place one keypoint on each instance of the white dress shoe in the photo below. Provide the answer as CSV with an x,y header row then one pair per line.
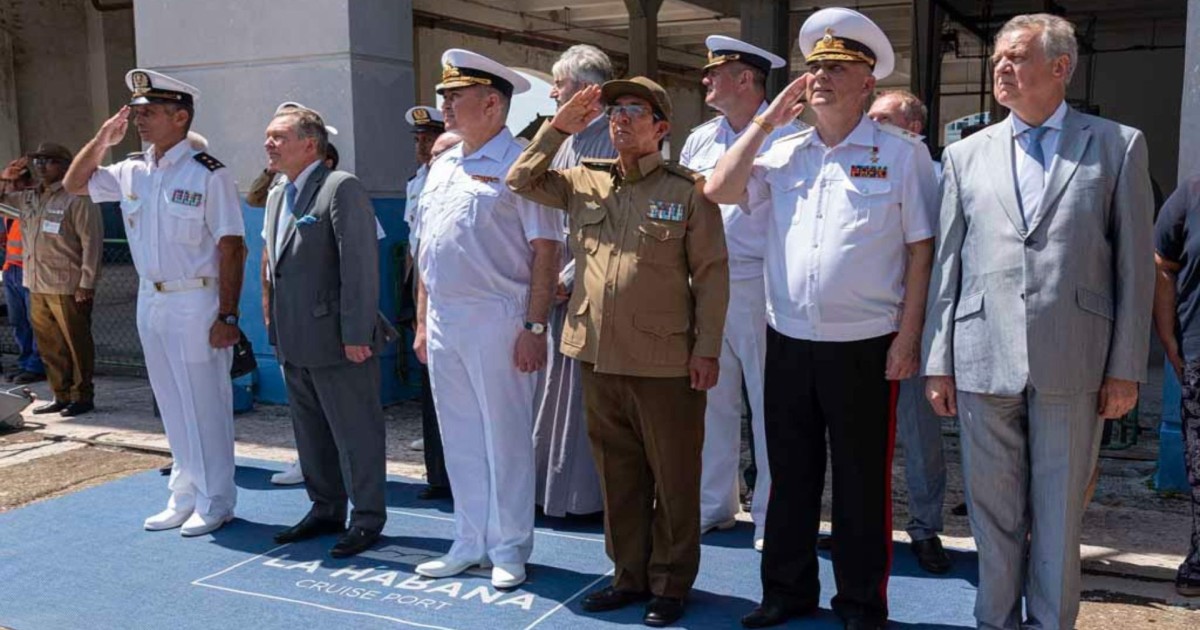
x,y
199,524
447,566
721,525
508,575
417,444
290,477
169,518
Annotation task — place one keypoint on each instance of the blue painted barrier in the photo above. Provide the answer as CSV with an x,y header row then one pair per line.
x,y
395,361
1171,474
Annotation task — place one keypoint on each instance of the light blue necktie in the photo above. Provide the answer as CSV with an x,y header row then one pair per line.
x,y
289,198
1031,179
1035,145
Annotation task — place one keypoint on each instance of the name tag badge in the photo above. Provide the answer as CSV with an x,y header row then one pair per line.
x,y
664,211
187,197
51,227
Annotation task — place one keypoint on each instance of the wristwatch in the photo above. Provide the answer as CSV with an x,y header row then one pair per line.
x,y
535,327
228,318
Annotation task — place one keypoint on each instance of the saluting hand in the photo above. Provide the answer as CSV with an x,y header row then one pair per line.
x,y
790,103
113,130
15,169
579,112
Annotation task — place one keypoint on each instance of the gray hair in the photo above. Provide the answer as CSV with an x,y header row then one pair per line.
x,y
308,124
1058,36
911,107
585,64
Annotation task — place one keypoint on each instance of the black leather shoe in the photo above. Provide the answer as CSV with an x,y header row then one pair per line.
x,y
309,527
429,493
25,378
771,614
53,407
663,611
609,598
355,541
77,409
931,556
863,624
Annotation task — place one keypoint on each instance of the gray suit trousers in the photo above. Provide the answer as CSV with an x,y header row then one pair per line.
x,y
1027,460
919,432
338,421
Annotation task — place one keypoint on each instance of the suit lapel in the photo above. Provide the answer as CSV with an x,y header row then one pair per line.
x,y
303,201
1000,156
1071,145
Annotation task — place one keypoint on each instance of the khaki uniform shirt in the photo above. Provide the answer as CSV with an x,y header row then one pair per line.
x,y
651,269
62,236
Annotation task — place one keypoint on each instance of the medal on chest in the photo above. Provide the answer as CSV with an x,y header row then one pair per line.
x,y
874,170
664,211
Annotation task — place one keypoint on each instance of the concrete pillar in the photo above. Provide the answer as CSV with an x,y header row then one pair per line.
x,y
10,140
928,19
349,59
352,60
110,55
643,37
765,24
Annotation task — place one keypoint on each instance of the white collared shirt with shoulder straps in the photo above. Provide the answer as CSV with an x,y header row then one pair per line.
x,y
175,210
840,220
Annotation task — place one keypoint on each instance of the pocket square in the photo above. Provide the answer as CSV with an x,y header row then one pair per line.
x,y
307,219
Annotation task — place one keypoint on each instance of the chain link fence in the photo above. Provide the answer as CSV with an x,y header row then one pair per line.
x,y
114,317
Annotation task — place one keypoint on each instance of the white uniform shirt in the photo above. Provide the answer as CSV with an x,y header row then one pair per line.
x,y
745,234
1032,201
413,193
174,210
475,233
836,238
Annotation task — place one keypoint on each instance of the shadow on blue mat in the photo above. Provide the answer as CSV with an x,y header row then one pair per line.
x,y
83,561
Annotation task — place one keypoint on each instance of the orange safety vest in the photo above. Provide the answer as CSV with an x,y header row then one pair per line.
x,y
13,255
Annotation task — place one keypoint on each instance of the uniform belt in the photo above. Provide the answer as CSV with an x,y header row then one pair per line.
x,y
187,284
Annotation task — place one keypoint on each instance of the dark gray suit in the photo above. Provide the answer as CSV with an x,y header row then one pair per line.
x,y
324,296
1029,320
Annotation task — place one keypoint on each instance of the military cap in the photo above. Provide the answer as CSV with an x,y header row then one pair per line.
x,y
463,68
286,105
52,151
838,34
640,87
722,49
425,118
149,86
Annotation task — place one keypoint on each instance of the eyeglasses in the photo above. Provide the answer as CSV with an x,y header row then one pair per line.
x,y
43,161
632,110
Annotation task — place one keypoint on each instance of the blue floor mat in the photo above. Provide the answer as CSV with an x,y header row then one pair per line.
x,y
83,561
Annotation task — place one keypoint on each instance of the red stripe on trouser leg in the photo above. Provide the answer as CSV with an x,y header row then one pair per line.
x,y
893,398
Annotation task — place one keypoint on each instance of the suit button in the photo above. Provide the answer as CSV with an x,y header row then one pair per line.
x,y
1022,296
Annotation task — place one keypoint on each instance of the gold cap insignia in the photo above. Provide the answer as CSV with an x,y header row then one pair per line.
x,y
420,116
141,81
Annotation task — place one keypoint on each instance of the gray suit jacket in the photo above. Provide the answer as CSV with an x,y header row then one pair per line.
x,y
325,279
1057,305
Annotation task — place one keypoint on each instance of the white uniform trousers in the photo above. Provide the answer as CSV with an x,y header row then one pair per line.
x,y
194,392
743,360
485,413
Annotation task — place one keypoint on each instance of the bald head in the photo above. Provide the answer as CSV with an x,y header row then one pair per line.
x,y
443,142
900,108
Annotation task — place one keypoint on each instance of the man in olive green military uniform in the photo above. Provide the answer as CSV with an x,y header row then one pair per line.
x,y
63,238
645,320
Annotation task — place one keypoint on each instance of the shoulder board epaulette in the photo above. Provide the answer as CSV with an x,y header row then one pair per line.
x,y
211,163
893,130
600,164
136,155
682,171
710,121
